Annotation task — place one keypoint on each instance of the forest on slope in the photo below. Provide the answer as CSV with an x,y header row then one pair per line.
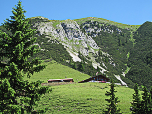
x,y
140,59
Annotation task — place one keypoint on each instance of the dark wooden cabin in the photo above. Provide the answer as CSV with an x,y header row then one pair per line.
x,y
61,80
100,78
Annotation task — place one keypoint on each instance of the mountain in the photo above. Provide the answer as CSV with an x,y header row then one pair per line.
x,y
92,45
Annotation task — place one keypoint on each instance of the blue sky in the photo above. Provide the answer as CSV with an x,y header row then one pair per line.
x,y
132,12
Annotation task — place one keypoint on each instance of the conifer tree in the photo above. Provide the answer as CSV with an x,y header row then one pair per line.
x,y
136,105
112,107
145,105
17,95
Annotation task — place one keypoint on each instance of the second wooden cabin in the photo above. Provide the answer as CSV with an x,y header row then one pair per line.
x,y
99,78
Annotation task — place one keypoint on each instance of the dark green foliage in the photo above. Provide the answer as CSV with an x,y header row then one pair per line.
x,y
112,107
7,94
140,59
135,106
108,43
85,68
140,75
81,67
106,59
119,42
74,66
145,102
98,69
130,84
143,106
16,95
56,51
100,52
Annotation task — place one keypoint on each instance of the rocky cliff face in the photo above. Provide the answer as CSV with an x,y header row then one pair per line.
x,y
70,35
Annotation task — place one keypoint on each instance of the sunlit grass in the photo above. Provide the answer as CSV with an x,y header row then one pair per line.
x,y
83,98
55,70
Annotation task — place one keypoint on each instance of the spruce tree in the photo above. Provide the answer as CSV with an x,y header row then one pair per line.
x,y
145,104
136,104
112,107
17,95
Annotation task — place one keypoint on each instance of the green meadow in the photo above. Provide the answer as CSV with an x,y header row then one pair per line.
x,y
77,97
55,70
83,98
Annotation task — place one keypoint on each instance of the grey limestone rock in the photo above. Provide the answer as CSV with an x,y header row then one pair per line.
x,y
69,33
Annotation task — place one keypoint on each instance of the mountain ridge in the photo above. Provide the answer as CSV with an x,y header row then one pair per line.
x,y
91,18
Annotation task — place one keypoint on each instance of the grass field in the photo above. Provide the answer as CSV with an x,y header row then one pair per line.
x,y
83,98
77,97
55,70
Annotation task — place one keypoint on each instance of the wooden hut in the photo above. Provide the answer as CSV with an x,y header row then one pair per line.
x,y
99,78
61,80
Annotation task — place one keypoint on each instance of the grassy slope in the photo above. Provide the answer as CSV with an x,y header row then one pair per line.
x,y
77,97
57,71
83,98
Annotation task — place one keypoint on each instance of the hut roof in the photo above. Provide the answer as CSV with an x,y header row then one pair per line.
x,y
60,79
91,78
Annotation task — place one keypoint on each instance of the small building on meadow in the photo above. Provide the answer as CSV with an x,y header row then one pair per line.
x,y
98,78
61,80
